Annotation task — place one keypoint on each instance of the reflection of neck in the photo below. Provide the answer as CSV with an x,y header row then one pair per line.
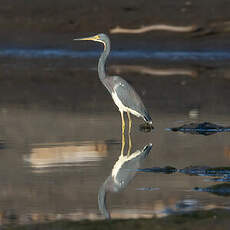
x,y
123,172
102,60
102,198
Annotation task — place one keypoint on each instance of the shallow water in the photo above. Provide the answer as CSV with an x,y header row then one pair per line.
x,y
61,135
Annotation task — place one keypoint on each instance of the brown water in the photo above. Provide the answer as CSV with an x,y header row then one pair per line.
x,y
61,136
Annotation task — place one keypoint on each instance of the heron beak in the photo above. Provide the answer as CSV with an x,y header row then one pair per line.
x,y
93,38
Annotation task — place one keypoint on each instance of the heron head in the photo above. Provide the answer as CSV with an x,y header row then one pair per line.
x,y
97,38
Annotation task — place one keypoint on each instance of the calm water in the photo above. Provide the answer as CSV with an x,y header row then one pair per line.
x,y
61,134
217,55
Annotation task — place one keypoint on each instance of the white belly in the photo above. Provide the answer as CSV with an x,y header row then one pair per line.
x,y
123,108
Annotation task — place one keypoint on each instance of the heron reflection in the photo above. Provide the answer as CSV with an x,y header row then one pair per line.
x,y
122,173
123,94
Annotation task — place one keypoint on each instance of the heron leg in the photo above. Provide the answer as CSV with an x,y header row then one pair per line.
x,y
123,133
130,126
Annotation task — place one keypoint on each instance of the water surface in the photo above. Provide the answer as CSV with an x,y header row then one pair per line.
x,y
61,134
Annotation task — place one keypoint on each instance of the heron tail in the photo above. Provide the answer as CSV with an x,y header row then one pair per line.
x,y
146,150
147,118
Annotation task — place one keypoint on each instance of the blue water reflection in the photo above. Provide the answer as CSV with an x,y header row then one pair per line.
x,y
146,54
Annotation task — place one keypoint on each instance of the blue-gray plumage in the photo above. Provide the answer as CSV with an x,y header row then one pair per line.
x,y
123,172
123,94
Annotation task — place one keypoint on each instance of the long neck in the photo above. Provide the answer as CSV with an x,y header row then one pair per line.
x,y
102,60
102,197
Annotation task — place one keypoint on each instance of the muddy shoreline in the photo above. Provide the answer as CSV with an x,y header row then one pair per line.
x,y
55,22
201,220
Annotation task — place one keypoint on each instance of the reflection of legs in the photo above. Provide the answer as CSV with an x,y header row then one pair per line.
x,y
123,133
130,126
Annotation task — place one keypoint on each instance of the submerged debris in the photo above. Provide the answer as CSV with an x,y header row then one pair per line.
x,y
212,28
2,144
219,173
218,189
167,169
205,128
147,189
186,205
194,170
206,171
146,128
225,178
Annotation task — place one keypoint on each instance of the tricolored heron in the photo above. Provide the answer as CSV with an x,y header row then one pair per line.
x,y
124,170
123,94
